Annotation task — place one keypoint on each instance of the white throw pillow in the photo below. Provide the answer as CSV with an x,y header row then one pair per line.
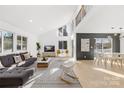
x,y
27,56
17,59
21,63
1,66
12,67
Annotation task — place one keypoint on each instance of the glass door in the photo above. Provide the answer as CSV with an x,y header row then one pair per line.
x,y
103,45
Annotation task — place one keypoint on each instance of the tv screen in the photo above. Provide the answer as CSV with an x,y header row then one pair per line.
x,y
49,48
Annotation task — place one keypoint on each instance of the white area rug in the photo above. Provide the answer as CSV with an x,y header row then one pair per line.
x,y
50,77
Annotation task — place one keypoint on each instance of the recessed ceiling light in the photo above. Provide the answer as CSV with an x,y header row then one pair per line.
x,y
30,20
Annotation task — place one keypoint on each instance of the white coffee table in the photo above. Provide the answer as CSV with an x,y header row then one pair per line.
x,y
41,64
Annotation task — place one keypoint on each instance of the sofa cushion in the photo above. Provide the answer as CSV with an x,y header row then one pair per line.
x,y
22,55
27,56
7,60
15,77
20,64
1,66
17,58
28,62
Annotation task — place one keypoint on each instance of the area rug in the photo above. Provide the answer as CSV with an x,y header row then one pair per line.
x,y
50,77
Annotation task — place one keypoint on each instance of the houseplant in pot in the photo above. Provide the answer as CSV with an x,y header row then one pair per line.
x,y
38,48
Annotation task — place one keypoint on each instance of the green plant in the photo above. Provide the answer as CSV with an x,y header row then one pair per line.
x,y
58,51
38,46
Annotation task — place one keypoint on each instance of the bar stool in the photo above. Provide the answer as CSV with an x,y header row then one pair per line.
x,y
107,58
116,60
122,59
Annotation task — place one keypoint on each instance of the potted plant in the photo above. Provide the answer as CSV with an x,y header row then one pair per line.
x,y
38,48
58,51
66,51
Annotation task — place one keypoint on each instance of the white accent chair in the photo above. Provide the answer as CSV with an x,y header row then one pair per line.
x,y
68,75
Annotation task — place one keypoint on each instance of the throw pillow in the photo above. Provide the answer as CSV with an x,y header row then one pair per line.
x,y
27,56
17,59
21,63
1,66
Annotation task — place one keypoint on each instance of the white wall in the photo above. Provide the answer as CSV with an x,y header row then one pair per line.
x,y
31,38
51,38
101,18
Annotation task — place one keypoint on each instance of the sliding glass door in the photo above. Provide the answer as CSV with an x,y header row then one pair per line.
x,y
103,45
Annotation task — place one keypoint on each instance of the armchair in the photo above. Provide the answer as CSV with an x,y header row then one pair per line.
x,y
68,74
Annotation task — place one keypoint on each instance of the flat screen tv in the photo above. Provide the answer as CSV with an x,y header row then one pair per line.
x,y
49,48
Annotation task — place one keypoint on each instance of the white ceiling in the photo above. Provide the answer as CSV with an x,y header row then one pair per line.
x,y
101,19
43,17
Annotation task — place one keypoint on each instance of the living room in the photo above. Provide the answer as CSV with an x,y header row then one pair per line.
x,y
25,53
62,46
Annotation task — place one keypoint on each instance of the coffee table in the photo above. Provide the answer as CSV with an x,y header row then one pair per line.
x,y
41,64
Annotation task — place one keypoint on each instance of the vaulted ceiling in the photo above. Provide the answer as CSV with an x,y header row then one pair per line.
x,y
36,18
103,19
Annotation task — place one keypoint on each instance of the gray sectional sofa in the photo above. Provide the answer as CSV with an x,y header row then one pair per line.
x,y
17,76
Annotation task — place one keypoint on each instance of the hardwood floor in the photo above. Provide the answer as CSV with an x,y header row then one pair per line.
x,y
91,75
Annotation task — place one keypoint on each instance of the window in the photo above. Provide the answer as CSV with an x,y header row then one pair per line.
x,y
80,15
103,45
62,44
0,41
24,43
8,41
18,42
63,31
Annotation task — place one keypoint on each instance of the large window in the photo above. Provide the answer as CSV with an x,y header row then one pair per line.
x,y
80,15
103,45
63,31
8,41
62,44
0,41
19,43
24,43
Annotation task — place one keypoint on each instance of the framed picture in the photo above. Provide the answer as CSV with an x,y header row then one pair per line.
x,y
85,45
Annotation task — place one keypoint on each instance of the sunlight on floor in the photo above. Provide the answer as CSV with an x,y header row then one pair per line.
x,y
52,71
32,81
109,72
69,60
